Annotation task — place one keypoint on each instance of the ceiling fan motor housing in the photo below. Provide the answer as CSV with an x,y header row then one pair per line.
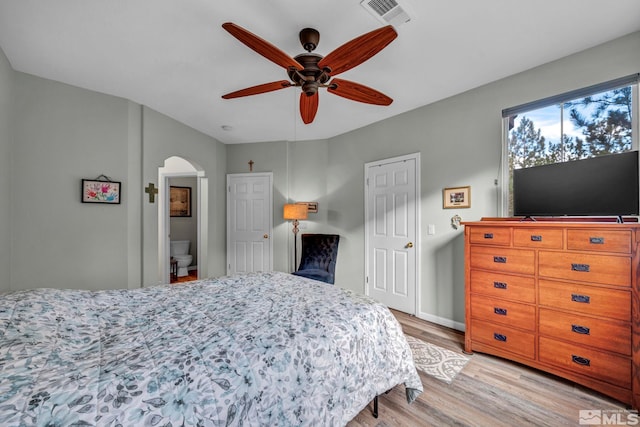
x,y
311,77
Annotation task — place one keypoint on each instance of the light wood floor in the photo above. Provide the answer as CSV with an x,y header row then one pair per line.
x,y
488,392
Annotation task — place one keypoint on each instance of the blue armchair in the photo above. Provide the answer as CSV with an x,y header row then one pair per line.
x,y
319,256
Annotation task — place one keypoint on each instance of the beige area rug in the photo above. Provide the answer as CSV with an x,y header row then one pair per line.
x,y
436,361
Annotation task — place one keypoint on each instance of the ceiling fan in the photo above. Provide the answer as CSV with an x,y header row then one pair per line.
x,y
311,71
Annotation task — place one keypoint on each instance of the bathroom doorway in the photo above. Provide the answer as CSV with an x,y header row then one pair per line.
x,y
184,222
183,229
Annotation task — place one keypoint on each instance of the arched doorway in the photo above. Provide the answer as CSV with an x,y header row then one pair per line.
x,y
178,167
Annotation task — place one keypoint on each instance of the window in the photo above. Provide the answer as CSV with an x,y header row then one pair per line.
x,y
589,122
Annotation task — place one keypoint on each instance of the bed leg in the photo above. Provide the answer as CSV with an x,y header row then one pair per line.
x,y
375,404
375,407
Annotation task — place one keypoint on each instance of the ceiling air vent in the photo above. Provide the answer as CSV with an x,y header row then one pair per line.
x,y
387,11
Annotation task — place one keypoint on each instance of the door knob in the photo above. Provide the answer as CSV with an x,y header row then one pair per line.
x,y
409,245
266,236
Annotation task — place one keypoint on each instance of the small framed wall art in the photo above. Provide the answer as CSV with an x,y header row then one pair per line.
x,y
100,191
179,201
456,197
312,207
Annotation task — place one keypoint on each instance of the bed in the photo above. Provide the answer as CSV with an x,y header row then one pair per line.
x,y
260,349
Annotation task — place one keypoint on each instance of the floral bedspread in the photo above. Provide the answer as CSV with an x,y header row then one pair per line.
x,y
267,349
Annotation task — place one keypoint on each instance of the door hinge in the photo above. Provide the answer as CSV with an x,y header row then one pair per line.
x,y
367,279
367,181
229,189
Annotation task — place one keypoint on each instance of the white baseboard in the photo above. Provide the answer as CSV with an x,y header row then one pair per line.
x,y
443,321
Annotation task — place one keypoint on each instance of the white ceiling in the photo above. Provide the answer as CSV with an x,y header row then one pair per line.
x,y
174,56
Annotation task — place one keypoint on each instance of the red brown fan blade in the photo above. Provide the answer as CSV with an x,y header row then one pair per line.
x,y
254,90
358,50
308,107
357,92
262,46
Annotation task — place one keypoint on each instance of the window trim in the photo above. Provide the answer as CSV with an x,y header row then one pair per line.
x,y
630,80
571,95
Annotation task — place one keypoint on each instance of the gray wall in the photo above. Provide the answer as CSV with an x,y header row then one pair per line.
x,y
61,135
51,136
459,139
6,79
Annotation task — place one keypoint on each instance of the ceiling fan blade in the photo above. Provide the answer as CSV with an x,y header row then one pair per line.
x,y
308,107
358,50
262,46
254,90
357,92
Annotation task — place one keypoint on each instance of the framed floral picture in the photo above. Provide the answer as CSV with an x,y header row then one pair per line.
x,y
456,197
97,191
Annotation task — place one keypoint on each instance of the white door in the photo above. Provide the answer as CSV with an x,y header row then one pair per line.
x,y
392,231
249,222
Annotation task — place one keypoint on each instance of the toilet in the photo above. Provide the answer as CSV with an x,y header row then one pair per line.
x,y
180,252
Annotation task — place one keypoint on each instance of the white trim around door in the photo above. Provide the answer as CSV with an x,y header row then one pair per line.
x,y
249,222
392,231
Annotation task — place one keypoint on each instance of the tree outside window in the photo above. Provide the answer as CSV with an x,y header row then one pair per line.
x,y
591,126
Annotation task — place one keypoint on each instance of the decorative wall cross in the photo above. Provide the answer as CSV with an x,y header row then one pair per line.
x,y
251,162
152,191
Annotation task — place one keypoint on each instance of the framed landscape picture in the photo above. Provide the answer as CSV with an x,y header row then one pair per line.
x,y
179,201
456,197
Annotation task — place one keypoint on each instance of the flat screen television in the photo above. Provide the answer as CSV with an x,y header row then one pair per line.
x,y
598,186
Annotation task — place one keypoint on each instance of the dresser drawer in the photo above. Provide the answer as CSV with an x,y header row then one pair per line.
x,y
502,311
618,241
503,259
490,235
537,238
516,288
609,270
594,332
586,361
503,338
585,299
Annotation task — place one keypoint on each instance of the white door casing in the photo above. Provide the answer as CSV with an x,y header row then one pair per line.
x,y
249,222
164,223
392,232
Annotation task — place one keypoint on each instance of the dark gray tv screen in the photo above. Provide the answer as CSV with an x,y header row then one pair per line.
x,y
598,186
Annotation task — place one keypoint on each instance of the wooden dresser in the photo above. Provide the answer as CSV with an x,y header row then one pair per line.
x,y
558,296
